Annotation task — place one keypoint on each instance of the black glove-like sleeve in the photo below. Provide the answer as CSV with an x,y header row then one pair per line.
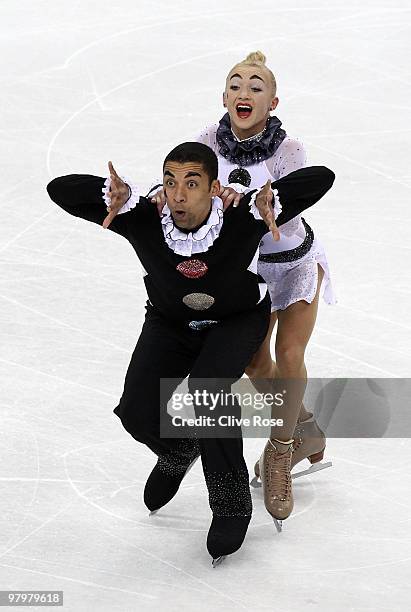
x,y
301,189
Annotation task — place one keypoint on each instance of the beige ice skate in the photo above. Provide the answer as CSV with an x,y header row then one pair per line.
x,y
275,467
309,443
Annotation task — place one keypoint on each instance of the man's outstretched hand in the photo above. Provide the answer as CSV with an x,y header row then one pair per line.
x,y
119,194
264,203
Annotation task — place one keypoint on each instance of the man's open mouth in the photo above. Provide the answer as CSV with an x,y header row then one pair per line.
x,y
244,110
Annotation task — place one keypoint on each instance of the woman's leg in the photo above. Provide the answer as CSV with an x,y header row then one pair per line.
x,y
295,326
262,366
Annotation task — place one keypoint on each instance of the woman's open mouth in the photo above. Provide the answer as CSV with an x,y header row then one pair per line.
x,y
244,110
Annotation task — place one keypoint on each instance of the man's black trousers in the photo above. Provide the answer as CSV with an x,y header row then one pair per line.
x,y
169,350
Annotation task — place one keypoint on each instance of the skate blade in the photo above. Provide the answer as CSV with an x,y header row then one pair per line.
x,y
256,482
316,467
190,466
218,560
278,525
152,512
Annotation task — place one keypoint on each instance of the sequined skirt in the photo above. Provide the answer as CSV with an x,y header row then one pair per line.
x,y
292,281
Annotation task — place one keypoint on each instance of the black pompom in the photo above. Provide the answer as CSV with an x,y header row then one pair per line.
x,y
240,175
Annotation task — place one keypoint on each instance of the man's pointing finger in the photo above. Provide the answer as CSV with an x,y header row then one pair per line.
x,y
112,171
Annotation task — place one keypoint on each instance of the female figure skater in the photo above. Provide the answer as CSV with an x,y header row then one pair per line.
x,y
252,147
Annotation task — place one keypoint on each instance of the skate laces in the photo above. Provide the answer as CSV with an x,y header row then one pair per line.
x,y
278,471
297,443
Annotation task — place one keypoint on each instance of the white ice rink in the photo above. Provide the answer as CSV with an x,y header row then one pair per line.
x,y
87,82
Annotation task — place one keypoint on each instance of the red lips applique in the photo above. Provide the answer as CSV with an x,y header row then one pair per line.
x,y
193,268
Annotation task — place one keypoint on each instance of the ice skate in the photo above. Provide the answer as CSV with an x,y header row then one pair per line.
x,y
309,443
163,483
231,506
217,561
275,466
225,536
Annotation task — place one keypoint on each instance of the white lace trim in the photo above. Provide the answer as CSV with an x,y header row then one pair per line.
x,y
131,202
277,205
239,188
187,244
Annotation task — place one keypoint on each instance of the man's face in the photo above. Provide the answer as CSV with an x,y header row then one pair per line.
x,y
188,192
249,99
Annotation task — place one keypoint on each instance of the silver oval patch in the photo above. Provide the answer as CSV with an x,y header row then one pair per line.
x,y
198,301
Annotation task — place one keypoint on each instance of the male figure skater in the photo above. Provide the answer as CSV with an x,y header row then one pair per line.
x,y
207,313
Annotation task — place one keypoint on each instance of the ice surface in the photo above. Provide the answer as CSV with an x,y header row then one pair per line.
x,y
87,82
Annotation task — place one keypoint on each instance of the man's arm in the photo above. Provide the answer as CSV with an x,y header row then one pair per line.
x,y
81,195
301,189
284,199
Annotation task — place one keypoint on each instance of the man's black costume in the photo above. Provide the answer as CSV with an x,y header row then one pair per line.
x,y
207,314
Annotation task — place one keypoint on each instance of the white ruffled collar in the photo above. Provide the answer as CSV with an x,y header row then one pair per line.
x,y
201,240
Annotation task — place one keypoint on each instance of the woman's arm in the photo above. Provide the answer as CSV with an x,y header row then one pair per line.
x,y
290,156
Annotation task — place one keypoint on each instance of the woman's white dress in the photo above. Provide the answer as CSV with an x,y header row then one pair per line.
x,y
290,281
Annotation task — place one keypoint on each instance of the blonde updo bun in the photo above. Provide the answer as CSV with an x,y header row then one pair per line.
x,y
255,57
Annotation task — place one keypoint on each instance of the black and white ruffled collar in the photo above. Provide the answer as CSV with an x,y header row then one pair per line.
x,y
188,243
251,150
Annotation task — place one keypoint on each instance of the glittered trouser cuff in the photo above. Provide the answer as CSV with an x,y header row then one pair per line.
x,y
178,459
229,493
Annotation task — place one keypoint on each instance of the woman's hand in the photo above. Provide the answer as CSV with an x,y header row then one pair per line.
x,y
227,195
159,199
264,203
119,193
230,196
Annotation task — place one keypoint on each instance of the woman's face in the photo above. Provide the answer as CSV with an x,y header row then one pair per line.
x,y
249,98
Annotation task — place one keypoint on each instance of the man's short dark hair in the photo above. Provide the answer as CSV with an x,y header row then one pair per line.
x,y
195,152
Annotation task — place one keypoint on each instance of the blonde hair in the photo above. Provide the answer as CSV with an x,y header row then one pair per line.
x,y
257,58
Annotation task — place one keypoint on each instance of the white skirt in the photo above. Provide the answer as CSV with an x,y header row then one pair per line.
x,y
292,281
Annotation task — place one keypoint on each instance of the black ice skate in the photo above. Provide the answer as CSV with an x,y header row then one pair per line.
x,y
167,476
